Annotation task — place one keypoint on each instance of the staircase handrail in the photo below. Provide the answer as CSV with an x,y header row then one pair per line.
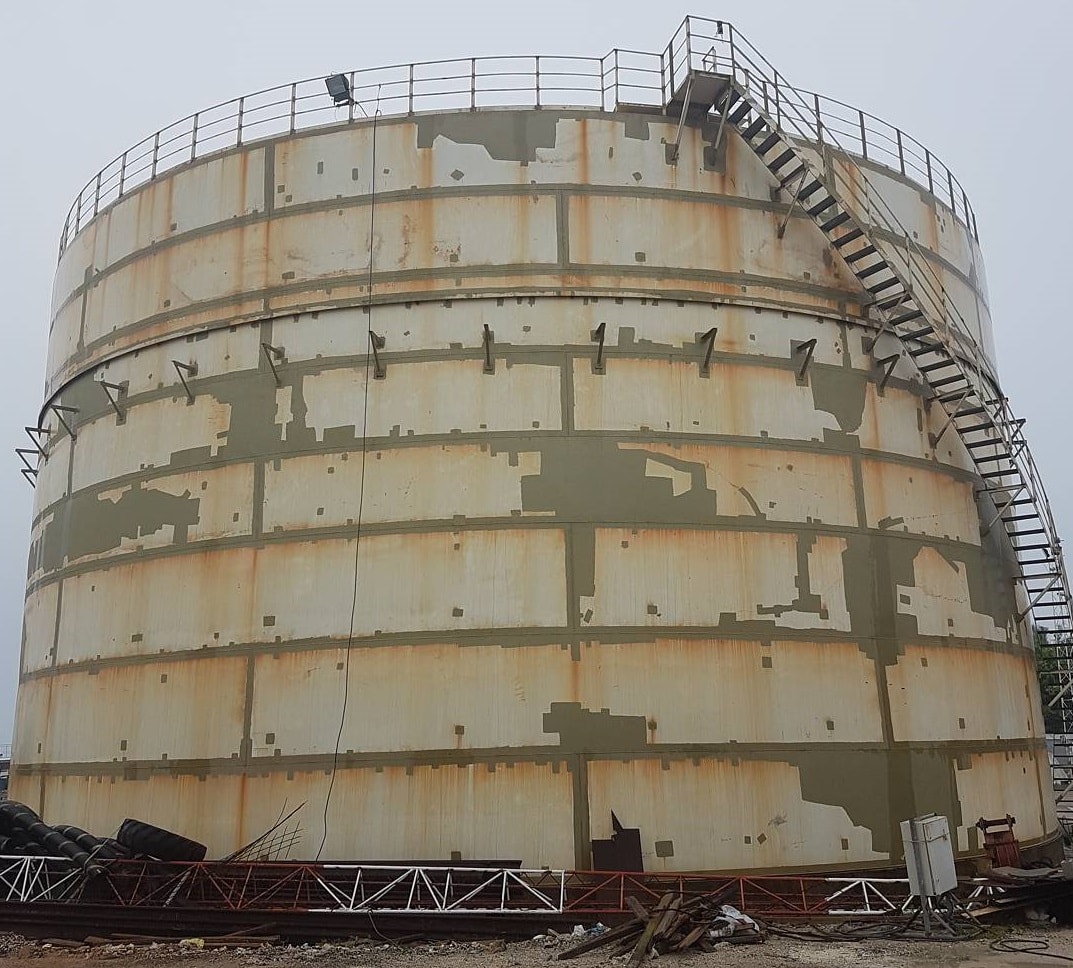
x,y
787,110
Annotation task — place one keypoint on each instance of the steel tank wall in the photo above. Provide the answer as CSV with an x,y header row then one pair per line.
x,y
747,609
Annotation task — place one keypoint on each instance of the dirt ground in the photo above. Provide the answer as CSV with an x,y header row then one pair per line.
x,y
775,952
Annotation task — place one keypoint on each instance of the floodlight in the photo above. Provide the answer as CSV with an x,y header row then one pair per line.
x,y
339,88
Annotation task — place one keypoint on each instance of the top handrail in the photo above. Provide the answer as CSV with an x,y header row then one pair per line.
x,y
621,77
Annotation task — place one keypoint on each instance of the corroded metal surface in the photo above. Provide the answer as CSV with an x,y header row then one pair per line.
x,y
747,607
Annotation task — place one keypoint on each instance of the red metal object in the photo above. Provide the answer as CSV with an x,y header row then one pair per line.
x,y
260,886
1001,846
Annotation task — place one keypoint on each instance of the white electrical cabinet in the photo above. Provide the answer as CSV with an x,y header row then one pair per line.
x,y
929,855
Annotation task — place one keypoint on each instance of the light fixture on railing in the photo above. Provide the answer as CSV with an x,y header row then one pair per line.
x,y
338,86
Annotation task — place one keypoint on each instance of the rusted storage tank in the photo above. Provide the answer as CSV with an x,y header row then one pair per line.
x,y
621,517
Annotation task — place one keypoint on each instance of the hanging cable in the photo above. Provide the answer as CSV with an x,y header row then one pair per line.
x,y
361,484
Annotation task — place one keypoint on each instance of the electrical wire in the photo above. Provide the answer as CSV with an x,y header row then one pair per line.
x,y
361,484
1027,946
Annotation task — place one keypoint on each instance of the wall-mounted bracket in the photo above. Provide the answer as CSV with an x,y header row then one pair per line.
x,y
489,339
709,338
1033,602
793,201
35,434
120,391
182,369
59,410
377,342
597,336
887,364
950,418
1002,509
274,355
808,347
722,123
672,151
28,470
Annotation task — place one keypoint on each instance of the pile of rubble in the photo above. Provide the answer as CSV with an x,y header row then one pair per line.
x,y
675,924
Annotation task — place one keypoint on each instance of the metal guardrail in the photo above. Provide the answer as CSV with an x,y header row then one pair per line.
x,y
620,78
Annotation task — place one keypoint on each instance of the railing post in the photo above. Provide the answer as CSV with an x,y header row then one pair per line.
x,y
819,119
689,46
901,151
350,105
193,139
294,106
864,139
927,163
410,94
241,115
97,195
537,59
78,212
616,104
123,173
473,83
156,155
953,197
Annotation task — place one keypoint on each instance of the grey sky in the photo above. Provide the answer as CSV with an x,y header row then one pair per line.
x,y
983,84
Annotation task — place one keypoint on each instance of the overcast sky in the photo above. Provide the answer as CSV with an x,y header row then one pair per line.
x,y
983,84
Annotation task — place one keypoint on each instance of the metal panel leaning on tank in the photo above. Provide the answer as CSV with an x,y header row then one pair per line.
x,y
597,570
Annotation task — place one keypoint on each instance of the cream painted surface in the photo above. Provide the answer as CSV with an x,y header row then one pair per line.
x,y
592,150
210,193
152,368
743,798
407,484
632,325
939,600
736,399
152,434
207,808
1002,783
783,485
476,811
224,499
39,628
442,234
677,577
409,698
298,590
454,396
140,712
935,696
919,501
51,482
698,237
812,692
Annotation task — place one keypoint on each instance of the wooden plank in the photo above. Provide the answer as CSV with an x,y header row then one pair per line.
x,y
645,941
638,908
692,938
668,918
623,932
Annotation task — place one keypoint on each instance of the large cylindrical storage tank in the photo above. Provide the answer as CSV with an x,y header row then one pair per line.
x,y
543,559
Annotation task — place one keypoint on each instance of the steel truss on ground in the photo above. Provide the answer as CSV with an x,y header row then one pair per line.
x,y
382,889
30,879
